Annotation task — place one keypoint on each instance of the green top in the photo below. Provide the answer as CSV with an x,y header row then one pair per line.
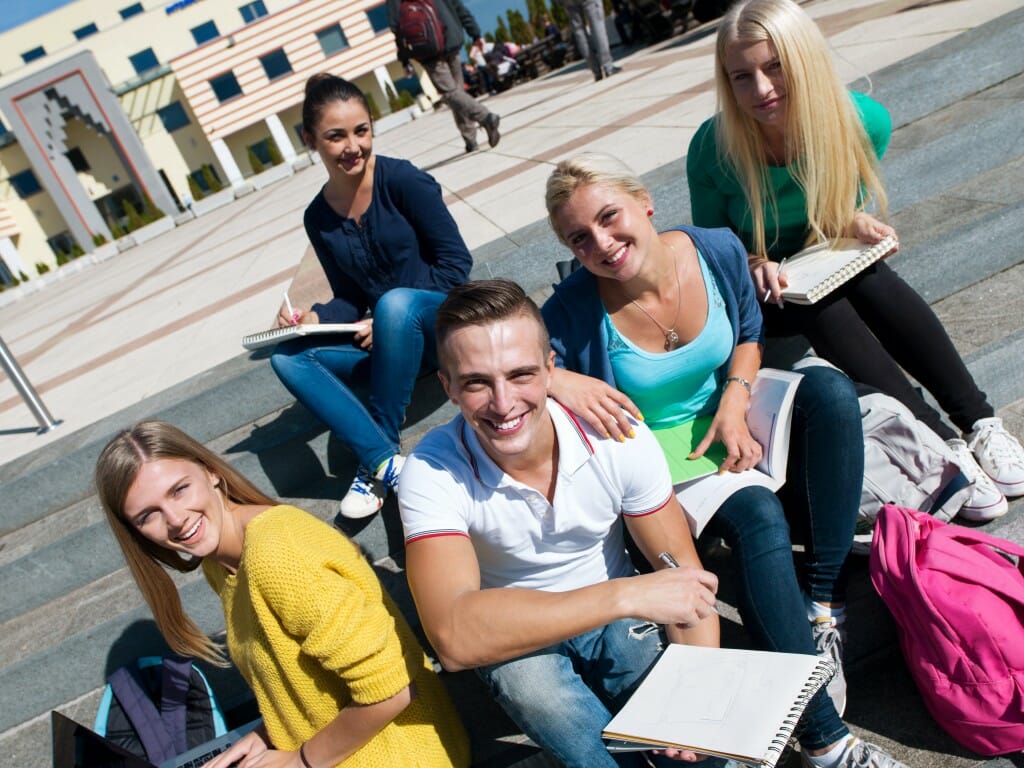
x,y
718,200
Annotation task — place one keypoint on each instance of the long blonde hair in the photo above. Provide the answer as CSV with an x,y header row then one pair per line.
x,y
116,470
831,156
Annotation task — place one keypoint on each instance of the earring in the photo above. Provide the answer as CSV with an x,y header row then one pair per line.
x,y
650,211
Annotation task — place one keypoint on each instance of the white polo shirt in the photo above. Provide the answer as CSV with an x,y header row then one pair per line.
x,y
450,487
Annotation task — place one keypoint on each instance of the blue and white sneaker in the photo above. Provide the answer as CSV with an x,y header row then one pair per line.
x,y
389,471
365,496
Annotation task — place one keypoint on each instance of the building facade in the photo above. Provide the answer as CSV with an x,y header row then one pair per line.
x,y
114,112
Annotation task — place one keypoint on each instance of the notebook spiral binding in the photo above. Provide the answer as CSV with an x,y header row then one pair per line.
x,y
866,258
823,672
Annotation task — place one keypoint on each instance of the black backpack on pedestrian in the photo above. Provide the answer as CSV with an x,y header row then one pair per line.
x,y
420,30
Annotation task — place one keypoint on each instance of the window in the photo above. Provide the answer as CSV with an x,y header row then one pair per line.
x,y
205,32
261,150
378,18
77,160
132,10
173,116
332,40
252,11
143,61
225,86
62,243
203,180
83,32
36,53
276,64
25,183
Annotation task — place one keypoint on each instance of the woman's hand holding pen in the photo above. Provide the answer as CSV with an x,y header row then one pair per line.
x,y
768,281
289,316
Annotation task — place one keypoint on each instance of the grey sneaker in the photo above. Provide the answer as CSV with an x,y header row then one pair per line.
x,y
490,125
986,502
828,643
861,754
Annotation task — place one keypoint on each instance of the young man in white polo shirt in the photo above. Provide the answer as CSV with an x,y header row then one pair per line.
x,y
514,548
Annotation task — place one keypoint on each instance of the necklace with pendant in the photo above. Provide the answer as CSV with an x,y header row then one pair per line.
x,y
671,337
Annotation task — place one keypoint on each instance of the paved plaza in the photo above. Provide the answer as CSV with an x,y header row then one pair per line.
x,y
155,330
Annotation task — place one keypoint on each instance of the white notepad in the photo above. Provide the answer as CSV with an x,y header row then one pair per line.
x,y
289,332
815,272
727,702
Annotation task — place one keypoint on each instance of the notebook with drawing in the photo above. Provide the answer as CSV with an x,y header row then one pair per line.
x,y
727,702
289,332
815,272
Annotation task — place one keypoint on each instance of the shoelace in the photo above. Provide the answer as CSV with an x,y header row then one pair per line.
x,y
1001,447
869,755
967,463
363,484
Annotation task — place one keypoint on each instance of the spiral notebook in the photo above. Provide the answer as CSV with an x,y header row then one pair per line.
x,y
727,702
815,272
289,332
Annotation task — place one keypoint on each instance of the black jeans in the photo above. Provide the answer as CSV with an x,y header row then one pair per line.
x,y
873,326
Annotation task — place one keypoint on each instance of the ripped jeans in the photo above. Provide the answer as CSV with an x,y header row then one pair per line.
x,y
564,695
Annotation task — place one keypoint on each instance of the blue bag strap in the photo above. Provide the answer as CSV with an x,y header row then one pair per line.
x,y
177,677
142,713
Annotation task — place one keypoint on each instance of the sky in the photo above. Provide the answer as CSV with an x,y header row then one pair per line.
x,y
15,12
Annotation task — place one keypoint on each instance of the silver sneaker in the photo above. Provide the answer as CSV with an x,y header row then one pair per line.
x,y
828,643
986,502
999,455
861,754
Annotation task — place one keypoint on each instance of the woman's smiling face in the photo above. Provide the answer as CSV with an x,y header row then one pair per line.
x,y
343,137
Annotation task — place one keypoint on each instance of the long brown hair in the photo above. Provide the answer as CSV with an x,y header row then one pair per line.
x,y
830,154
116,470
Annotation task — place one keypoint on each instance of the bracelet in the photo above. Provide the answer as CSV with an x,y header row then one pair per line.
x,y
302,756
742,382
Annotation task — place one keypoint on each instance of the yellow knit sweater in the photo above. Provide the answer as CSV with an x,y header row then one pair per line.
x,y
311,630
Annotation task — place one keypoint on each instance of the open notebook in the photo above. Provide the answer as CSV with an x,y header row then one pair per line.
x,y
815,272
727,702
289,332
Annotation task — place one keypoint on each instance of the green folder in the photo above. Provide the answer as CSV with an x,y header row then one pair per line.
x,y
679,441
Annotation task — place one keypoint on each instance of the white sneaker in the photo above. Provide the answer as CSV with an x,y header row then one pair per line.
x,y
986,502
828,643
999,454
365,496
859,754
389,471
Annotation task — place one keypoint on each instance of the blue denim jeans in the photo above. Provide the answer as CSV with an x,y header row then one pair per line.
x,y
321,375
564,695
821,495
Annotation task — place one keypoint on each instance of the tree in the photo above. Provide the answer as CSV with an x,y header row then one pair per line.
x,y
501,34
559,16
150,212
134,218
518,28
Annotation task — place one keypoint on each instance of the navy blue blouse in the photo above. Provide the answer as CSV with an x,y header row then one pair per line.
x,y
406,239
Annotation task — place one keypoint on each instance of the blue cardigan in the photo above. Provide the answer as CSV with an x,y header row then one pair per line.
x,y
406,239
574,315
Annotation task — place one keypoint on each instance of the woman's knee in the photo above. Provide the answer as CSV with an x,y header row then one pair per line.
x,y
406,309
753,517
828,394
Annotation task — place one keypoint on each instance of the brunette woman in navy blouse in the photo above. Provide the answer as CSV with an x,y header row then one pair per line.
x,y
389,247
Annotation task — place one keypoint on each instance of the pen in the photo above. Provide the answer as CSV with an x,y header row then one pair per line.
x,y
769,291
670,562
291,311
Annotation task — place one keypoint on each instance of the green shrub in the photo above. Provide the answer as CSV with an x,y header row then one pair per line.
x,y
150,212
135,220
211,179
405,99
76,251
62,258
254,162
275,153
194,190
117,231
99,239
42,267
23,276
374,109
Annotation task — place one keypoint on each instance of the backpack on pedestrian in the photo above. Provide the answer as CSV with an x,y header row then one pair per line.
x,y
957,596
420,29
158,708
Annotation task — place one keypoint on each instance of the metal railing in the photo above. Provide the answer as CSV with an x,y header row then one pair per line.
x,y
28,393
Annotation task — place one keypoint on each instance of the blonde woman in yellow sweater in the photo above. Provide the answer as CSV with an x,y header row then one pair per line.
x,y
337,673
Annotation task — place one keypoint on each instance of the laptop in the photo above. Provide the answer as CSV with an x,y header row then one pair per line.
x,y
75,746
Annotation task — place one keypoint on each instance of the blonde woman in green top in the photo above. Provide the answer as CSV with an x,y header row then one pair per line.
x,y
791,159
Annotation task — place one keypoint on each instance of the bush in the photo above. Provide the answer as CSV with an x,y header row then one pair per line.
x,y
76,251
23,276
150,212
99,239
135,220
194,190
62,258
405,99
117,231
374,109
275,153
392,97
254,162
42,267
212,182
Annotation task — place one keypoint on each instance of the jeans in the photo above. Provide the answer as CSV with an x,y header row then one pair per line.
x,y
445,72
822,495
592,43
876,327
320,375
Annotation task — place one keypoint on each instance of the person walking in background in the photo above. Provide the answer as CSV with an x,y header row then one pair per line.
x,y
336,671
586,17
387,244
444,66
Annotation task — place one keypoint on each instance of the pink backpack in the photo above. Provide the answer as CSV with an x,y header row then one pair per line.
x,y
959,604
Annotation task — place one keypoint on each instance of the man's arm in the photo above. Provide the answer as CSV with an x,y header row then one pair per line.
x,y
471,627
666,531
